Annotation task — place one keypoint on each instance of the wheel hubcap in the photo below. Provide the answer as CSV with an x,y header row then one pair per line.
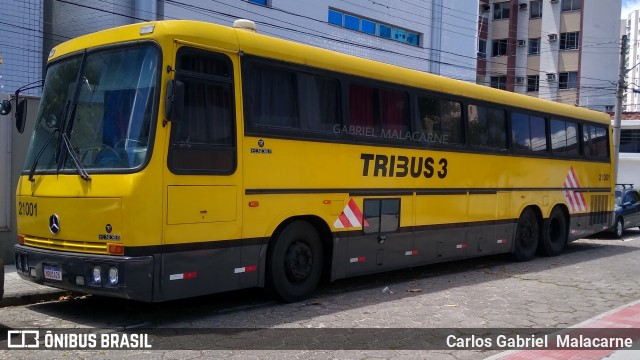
x,y
298,261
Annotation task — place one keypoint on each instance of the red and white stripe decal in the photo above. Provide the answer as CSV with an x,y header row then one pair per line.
x,y
575,200
245,269
502,241
357,259
461,246
184,276
411,252
350,217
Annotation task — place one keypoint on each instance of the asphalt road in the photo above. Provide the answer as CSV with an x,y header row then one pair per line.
x,y
593,276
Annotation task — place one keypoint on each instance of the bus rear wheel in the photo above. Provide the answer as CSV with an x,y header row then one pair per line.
x,y
294,262
527,235
555,233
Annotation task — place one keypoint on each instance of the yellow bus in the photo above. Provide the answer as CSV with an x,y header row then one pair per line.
x,y
178,158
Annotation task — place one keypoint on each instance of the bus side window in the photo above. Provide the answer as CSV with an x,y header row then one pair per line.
x,y
440,121
487,127
564,137
204,140
528,132
595,141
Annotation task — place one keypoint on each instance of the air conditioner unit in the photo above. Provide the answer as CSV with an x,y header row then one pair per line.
x,y
522,6
551,76
519,80
553,1
553,37
522,42
486,7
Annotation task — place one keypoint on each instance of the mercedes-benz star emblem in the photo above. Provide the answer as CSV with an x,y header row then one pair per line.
x,y
54,224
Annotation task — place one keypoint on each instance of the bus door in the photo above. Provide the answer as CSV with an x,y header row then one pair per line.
x,y
382,244
203,212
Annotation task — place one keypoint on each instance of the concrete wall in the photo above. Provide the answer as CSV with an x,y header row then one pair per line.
x,y
13,150
450,40
21,50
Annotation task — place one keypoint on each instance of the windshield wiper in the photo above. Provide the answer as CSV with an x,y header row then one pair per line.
x,y
42,149
81,171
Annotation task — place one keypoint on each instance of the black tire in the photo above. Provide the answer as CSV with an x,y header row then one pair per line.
x,y
294,262
618,228
554,236
527,236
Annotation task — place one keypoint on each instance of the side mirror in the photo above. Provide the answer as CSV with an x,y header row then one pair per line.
x,y
5,107
174,103
21,115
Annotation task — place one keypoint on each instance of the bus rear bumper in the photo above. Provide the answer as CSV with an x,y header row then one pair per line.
x,y
79,272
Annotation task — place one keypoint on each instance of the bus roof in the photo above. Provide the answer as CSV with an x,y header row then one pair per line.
x,y
249,42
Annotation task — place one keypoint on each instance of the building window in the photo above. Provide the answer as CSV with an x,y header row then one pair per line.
x,y
568,80
533,83
499,82
569,41
499,47
571,5
335,17
371,27
259,2
534,46
501,10
482,48
535,9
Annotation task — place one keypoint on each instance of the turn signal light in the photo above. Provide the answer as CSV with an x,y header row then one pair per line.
x,y
115,249
21,239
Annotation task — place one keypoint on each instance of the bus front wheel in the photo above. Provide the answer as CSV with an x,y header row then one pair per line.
x,y
527,235
555,233
294,262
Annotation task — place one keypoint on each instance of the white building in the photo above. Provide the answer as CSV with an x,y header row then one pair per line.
x,y
632,31
560,50
430,35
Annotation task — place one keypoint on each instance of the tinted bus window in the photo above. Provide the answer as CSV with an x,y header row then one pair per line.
x,y
595,141
290,100
487,127
273,95
528,132
378,113
440,121
564,137
203,141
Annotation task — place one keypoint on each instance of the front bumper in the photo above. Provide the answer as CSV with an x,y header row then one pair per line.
x,y
75,272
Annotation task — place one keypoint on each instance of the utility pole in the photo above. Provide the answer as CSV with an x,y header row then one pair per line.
x,y
617,118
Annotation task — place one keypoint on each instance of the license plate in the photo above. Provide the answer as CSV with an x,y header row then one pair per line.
x,y
52,273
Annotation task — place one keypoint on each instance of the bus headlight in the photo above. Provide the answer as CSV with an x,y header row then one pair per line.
x,y
97,274
113,275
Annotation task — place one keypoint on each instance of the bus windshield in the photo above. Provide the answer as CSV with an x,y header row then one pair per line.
x,y
96,112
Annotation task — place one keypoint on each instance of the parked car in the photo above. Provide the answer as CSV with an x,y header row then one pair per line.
x,y
627,208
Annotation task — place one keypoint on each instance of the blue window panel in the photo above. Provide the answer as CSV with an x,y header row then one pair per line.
x,y
260,2
335,17
384,31
351,22
368,27
399,35
413,39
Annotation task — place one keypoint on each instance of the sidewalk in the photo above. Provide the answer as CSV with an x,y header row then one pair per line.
x,y
19,292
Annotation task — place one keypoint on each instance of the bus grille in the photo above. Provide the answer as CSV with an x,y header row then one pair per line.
x,y
67,245
599,213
